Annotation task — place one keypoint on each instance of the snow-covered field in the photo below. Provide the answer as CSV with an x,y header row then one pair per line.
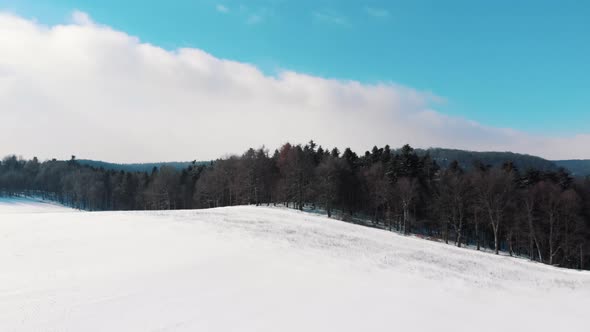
x,y
262,269
29,205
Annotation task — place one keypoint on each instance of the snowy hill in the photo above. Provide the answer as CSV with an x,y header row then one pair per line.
x,y
29,205
262,269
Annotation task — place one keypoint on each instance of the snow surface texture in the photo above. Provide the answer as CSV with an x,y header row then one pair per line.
x,y
262,269
29,205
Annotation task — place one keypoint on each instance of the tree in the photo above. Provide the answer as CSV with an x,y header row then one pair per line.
x,y
163,189
379,191
550,205
330,178
453,200
495,188
406,190
529,198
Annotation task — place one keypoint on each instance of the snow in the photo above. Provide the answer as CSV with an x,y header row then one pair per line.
x,y
10,205
261,269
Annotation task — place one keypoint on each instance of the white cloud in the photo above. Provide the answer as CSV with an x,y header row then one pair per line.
x,y
329,16
95,92
254,19
256,15
377,12
81,18
222,9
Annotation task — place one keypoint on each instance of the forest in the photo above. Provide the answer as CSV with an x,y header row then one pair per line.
x,y
538,214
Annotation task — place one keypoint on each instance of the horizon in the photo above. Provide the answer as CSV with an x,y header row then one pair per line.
x,y
225,156
117,83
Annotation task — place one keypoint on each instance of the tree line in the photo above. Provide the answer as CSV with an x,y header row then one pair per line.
x,y
543,215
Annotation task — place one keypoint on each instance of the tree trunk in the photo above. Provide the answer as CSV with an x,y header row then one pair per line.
x,y
459,230
495,222
496,244
551,240
538,249
581,258
531,248
477,233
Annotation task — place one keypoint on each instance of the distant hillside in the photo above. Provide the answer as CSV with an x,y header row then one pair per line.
x,y
442,156
578,167
138,167
466,158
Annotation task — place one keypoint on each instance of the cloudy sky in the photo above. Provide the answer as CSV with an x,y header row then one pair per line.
x,y
200,79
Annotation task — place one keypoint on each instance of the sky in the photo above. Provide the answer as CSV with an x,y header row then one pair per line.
x,y
182,80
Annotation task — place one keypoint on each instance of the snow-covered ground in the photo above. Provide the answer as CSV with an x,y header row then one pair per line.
x,y
29,205
262,269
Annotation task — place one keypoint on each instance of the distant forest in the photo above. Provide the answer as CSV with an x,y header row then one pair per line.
x,y
577,167
138,167
538,211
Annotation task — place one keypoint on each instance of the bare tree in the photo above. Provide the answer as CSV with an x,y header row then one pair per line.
x,y
453,201
378,190
495,188
529,198
406,190
550,204
570,207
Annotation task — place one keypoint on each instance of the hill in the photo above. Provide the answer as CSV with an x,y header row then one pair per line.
x,y
466,158
578,167
264,269
137,167
442,156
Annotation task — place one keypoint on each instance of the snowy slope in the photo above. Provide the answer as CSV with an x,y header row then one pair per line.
x,y
263,269
29,205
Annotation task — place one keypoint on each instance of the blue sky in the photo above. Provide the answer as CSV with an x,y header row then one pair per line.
x,y
511,64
